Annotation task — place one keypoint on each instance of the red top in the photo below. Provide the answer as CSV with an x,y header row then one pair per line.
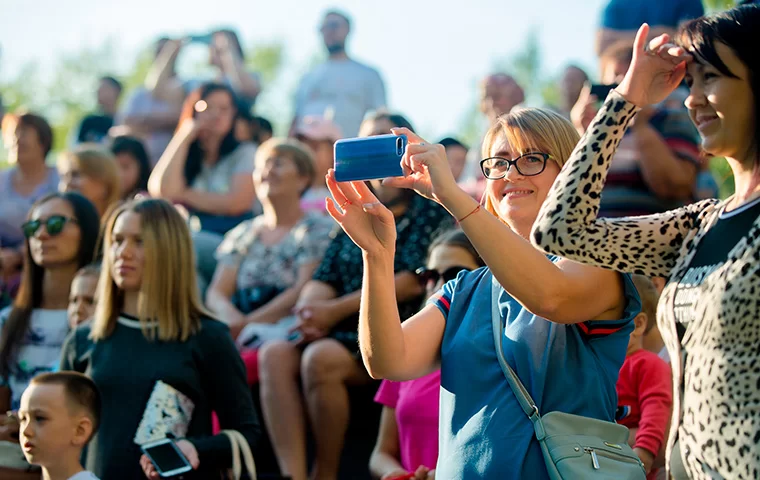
x,y
645,397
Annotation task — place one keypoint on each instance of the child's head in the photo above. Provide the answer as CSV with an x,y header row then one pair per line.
x,y
59,414
82,294
647,319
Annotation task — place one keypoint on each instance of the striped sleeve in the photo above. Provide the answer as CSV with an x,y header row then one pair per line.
x,y
602,328
442,298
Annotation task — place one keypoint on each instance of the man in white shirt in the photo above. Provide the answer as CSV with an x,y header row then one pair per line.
x,y
344,86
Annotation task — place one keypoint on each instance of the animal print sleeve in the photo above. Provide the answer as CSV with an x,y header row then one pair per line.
x,y
568,226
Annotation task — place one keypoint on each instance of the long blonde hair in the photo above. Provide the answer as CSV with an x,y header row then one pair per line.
x,y
529,129
169,306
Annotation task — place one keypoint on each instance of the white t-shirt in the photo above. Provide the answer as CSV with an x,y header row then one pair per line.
x,y
348,88
40,350
84,475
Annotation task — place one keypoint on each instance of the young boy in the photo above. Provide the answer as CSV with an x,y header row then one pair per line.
x,y
82,295
59,414
644,386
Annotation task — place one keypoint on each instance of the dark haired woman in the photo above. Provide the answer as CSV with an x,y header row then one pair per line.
x,y
134,165
61,232
204,167
708,251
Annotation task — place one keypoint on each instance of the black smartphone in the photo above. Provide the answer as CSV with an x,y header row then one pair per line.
x,y
368,158
166,456
601,91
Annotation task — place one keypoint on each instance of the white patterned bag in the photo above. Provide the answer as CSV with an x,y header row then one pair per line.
x,y
168,411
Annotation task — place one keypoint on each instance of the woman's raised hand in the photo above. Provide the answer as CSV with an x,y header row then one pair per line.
x,y
360,214
426,168
655,70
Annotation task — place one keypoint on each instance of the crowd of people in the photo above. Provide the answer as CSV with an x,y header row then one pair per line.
x,y
183,271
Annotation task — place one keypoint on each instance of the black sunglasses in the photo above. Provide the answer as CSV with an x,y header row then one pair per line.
x,y
53,224
427,276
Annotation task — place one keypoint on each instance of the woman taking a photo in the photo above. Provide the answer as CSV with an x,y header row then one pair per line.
x,y
708,312
151,342
567,324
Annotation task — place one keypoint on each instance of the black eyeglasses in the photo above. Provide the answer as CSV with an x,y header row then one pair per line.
x,y
527,165
53,224
428,276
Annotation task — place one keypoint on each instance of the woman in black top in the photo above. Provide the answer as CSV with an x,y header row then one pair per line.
x,y
326,355
154,352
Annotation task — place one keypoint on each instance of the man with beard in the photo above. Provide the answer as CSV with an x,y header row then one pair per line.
x,y
341,85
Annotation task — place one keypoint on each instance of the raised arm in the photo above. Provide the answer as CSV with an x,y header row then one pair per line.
x,y
161,80
168,177
568,225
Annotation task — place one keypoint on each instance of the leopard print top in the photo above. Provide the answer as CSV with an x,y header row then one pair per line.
x,y
718,413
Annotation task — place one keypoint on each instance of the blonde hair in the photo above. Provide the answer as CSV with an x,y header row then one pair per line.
x,y
96,162
295,150
169,306
530,129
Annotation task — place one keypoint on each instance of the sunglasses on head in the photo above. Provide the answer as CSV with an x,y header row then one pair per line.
x,y
53,224
427,276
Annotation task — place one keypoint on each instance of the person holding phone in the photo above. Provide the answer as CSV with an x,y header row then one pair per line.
x,y
708,251
152,344
567,324
324,350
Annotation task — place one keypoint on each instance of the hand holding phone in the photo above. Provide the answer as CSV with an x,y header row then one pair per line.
x,y
167,458
369,158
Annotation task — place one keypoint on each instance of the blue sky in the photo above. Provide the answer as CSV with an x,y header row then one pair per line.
x,y
430,53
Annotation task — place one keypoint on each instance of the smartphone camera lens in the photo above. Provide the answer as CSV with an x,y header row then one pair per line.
x,y
399,146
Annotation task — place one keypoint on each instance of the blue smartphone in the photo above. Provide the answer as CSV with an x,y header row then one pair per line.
x,y
369,158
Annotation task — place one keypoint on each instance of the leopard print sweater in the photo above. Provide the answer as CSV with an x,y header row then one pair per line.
x,y
718,414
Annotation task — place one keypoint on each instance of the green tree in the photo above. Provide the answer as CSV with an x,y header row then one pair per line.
x,y
717,5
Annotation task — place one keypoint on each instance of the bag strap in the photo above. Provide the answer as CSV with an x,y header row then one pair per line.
x,y
240,446
523,397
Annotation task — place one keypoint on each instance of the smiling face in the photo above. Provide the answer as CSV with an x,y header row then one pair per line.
x,y
278,176
518,198
61,248
722,107
127,255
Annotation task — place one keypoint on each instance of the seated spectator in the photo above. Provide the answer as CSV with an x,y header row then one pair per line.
x,y
92,171
83,295
265,262
94,127
570,87
150,318
227,56
319,134
408,438
134,165
59,415
28,138
457,153
61,231
151,113
205,168
622,18
324,351
656,165
644,389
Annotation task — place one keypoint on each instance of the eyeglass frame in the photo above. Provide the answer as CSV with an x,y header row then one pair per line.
x,y
511,163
